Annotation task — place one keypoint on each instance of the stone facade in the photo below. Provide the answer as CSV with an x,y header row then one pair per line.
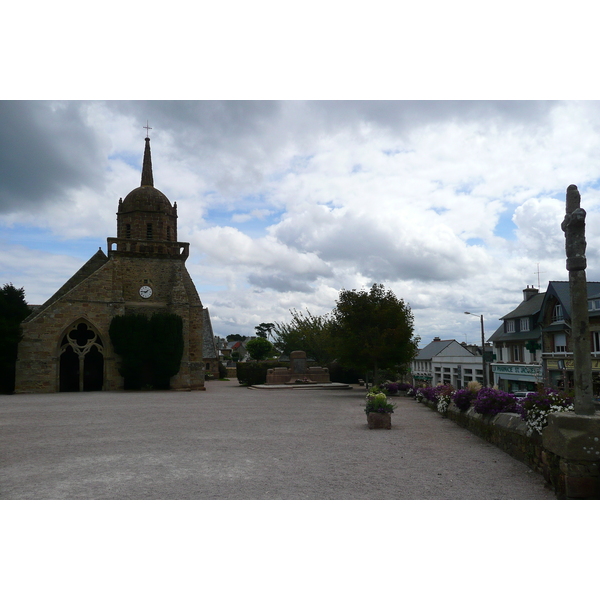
x,y
66,345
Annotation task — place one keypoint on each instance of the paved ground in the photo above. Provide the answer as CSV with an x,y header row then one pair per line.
x,y
236,443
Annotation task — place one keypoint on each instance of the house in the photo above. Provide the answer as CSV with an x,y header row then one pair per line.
x,y
517,345
447,362
557,353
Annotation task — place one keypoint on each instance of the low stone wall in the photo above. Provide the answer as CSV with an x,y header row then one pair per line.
x,y
569,479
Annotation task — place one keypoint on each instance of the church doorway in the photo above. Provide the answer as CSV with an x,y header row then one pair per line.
x,y
81,359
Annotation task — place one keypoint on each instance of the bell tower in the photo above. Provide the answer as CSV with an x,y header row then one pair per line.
x,y
146,220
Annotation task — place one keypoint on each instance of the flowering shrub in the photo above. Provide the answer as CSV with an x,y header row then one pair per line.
x,y
491,402
404,387
463,398
535,407
412,391
391,387
377,402
428,393
443,395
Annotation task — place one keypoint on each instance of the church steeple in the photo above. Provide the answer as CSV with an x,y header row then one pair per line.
x,y
147,178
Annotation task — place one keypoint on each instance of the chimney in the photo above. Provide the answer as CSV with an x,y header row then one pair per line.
x,y
436,339
529,292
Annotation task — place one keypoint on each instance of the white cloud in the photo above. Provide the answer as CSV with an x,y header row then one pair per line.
x,y
451,205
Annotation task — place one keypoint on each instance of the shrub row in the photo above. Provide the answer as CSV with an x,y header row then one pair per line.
x,y
533,409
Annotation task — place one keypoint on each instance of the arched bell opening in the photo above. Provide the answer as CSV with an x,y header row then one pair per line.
x,y
81,359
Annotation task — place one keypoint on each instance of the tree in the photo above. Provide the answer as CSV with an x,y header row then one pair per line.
x,y
13,309
264,330
373,329
150,349
306,332
235,337
259,348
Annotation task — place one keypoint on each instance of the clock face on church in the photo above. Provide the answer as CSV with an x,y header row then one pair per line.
x,y
145,291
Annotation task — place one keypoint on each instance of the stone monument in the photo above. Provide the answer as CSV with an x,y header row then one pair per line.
x,y
298,372
573,439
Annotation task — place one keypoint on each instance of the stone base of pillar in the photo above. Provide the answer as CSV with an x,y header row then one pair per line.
x,y
572,444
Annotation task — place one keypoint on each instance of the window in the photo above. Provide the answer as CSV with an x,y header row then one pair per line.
x,y
593,304
149,231
510,326
560,342
168,234
128,231
557,314
595,341
524,324
517,353
468,371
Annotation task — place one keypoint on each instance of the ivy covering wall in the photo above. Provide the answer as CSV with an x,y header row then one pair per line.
x,y
150,348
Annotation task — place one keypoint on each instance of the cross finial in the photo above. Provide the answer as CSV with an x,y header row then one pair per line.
x,y
147,128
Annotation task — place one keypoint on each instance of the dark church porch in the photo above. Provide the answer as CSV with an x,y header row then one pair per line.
x,y
233,443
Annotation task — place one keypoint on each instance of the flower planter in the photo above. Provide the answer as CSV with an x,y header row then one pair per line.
x,y
379,420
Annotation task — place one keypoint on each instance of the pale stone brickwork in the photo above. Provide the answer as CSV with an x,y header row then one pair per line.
x,y
143,273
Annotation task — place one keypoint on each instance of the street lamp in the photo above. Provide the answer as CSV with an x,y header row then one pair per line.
x,y
482,347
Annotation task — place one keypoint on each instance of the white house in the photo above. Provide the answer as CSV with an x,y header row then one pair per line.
x,y
448,362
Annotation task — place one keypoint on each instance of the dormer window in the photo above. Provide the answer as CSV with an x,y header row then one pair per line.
x,y
593,304
524,324
510,326
557,314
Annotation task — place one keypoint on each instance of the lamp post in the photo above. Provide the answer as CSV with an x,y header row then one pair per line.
x,y
482,347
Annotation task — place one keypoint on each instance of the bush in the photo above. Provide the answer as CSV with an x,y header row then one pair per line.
x,y
222,371
492,402
341,374
391,387
535,407
463,398
377,402
255,373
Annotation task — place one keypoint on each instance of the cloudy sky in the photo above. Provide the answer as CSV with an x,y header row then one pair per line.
x,y
454,205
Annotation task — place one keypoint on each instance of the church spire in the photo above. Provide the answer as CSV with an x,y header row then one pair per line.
x,y
147,178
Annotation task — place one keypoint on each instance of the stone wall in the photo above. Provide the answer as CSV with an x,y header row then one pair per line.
x,y
569,479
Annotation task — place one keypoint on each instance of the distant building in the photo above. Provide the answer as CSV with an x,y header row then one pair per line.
x,y
447,362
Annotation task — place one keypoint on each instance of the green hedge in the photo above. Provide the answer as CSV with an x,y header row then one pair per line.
x,y
255,373
150,349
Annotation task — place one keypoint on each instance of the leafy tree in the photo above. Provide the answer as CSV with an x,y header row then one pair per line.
x,y
13,309
166,348
373,330
264,330
306,332
150,349
235,337
259,348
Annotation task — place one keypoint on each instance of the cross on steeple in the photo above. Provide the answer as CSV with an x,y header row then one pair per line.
x,y
147,129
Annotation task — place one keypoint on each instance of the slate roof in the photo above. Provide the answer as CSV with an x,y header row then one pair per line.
x,y
98,260
209,349
560,291
433,349
527,307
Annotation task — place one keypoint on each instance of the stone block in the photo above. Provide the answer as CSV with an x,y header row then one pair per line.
x,y
572,436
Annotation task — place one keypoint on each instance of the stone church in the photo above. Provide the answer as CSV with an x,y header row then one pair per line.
x,y
66,345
